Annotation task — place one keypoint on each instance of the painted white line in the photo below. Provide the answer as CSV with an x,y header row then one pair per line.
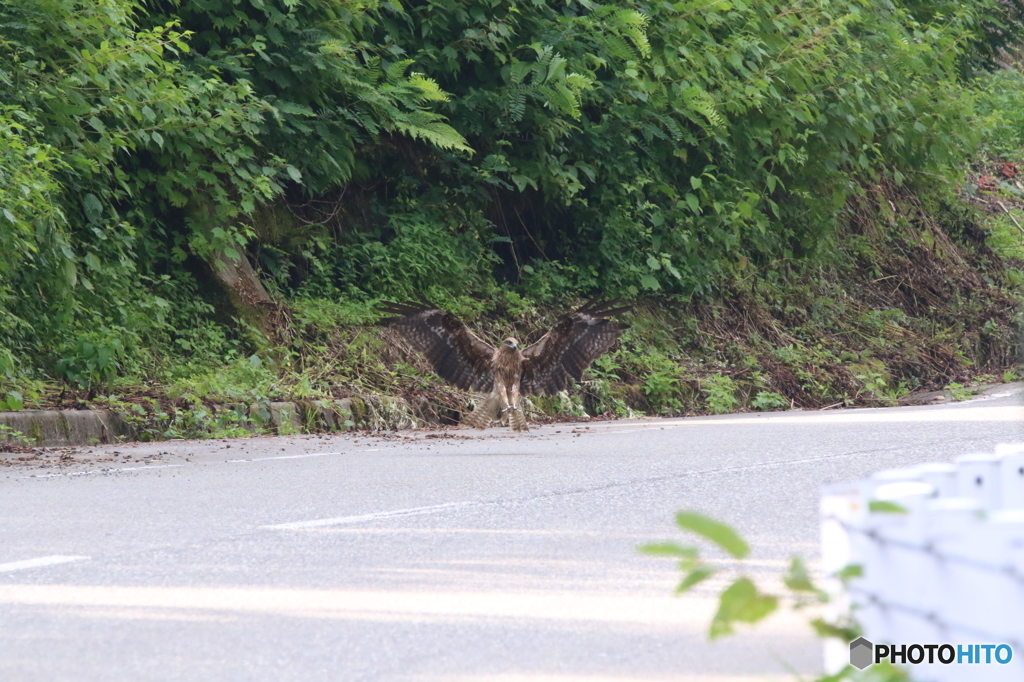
x,y
308,454
93,472
343,520
145,468
41,561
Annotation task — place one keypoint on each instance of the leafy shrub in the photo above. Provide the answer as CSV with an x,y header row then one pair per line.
x,y
245,379
768,400
721,393
91,361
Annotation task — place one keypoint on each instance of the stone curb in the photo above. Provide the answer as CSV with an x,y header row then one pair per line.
x,y
56,428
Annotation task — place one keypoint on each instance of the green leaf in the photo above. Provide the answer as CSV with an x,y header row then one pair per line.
x,y
798,578
886,507
522,182
669,549
15,401
294,173
715,531
695,576
649,282
850,571
741,602
93,208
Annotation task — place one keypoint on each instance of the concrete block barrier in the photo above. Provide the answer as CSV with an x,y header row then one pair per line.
x,y
941,553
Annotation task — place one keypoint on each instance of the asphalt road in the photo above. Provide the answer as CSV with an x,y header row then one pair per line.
x,y
433,557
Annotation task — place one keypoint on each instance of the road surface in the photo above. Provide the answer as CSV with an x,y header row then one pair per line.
x,y
433,556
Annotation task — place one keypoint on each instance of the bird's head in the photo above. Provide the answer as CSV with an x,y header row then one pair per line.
x,y
511,343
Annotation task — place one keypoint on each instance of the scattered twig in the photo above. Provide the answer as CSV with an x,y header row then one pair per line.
x,y
1012,217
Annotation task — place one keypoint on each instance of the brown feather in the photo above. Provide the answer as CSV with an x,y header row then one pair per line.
x,y
566,351
485,413
517,420
456,354
463,360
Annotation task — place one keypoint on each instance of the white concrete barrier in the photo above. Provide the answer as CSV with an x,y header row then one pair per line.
x,y
941,552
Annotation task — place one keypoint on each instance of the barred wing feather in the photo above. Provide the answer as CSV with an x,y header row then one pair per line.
x,y
566,351
456,354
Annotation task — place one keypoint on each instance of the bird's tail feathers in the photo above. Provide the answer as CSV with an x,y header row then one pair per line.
x,y
517,419
485,413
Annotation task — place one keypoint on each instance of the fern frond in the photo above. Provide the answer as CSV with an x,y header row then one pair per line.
x,y
701,102
561,99
429,90
396,72
437,133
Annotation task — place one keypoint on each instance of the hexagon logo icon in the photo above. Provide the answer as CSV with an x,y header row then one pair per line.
x,y
861,653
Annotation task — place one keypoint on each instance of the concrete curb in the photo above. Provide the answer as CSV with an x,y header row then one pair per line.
x,y
56,428
63,427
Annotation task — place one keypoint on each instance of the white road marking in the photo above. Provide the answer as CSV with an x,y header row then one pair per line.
x,y
965,412
308,454
342,520
111,470
39,562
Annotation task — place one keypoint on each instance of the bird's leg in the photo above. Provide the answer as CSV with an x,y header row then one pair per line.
x,y
517,420
506,405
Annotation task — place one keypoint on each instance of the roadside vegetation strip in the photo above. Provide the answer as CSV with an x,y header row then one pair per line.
x,y
850,243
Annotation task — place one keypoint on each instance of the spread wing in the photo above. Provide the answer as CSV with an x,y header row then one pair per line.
x,y
575,341
455,353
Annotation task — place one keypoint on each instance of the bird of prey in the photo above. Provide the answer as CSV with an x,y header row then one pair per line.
x,y
506,373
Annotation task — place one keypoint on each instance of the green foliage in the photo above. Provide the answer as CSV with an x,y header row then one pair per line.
x,y
958,392
715,531
113,139
721,393
661,384
91,361
497,156
765,401
330,89
612,156
13,400
246,379
1001,113
12,436
423,253
886,507
742,601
